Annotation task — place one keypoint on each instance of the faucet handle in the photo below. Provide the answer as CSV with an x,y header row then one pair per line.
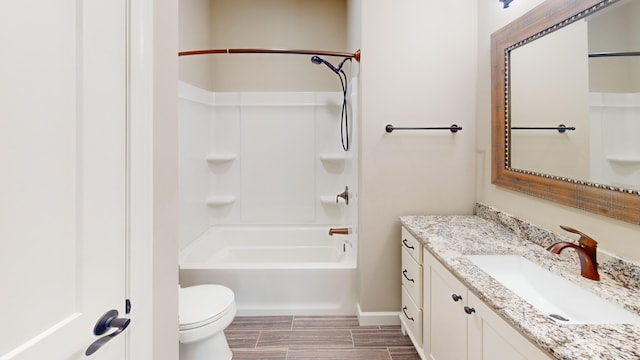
x,y
344,195
585,240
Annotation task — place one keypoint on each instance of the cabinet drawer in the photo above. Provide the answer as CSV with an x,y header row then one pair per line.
x,y
411,316
412,277
412,245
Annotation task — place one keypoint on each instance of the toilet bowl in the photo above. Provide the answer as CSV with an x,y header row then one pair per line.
x,y
205,311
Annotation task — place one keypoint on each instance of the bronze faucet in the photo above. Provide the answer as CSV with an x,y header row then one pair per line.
x,y
586,249
340,231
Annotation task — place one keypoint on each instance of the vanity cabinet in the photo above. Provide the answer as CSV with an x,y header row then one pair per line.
x,y
411,275
458,325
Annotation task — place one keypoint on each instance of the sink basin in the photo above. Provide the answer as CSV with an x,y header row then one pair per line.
x,y
562,300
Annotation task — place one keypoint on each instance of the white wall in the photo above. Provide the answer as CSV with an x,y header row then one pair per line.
x,y
615,29
352,165
549,84
612,235
418,69
634,43
273,24
153,230
195,34
276,24
165,184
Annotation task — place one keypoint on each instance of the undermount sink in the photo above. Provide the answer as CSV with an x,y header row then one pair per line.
x,y
559,298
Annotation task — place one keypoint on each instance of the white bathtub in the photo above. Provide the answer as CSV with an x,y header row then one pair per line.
x,y
276,270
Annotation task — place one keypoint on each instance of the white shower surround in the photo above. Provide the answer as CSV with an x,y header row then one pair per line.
x,y
276,270
274,158
615,149
259,175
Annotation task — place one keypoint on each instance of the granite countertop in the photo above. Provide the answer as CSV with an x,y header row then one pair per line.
x,y
449,238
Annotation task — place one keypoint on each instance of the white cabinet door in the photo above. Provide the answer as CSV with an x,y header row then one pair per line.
x,y
63,175
445,301
491,338
458,325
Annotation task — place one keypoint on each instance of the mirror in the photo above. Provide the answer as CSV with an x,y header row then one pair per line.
x,y
548,101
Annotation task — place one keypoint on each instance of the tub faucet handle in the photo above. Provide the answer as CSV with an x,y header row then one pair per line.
x,y
344,195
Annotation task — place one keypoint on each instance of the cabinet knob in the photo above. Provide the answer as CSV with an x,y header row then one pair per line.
x,y
404,272
469,310
456,297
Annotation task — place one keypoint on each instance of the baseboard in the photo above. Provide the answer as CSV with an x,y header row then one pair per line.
x,y
378,317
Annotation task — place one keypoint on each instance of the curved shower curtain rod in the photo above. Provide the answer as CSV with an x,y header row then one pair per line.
x,y
355,55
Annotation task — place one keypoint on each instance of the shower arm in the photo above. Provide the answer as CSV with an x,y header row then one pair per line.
x,y
355,55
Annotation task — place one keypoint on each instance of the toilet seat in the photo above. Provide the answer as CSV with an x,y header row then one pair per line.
x,y
203,304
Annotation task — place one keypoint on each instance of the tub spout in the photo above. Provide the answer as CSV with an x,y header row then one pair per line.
x,y
586,249
340,231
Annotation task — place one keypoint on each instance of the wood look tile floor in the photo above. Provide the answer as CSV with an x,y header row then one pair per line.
x,y
315,338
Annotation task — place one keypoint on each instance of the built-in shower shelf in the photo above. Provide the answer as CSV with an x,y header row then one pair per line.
x,y
221,200
624,159
333,157
220,158
331,200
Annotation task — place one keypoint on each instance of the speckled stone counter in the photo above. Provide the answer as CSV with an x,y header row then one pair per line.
x,y
449,238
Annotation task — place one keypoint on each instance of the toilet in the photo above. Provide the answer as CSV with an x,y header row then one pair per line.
x,y
205,311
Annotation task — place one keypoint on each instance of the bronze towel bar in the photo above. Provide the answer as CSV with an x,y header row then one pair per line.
x,y
453,128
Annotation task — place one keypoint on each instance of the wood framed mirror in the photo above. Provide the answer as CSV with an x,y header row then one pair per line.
x,y
613,201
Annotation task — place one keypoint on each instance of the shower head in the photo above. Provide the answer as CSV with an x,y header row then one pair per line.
x,y
318,60
344,117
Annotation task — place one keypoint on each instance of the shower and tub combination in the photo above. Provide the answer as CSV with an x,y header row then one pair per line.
x,y
276,270
268,196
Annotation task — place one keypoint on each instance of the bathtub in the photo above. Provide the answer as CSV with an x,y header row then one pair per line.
x,y
276,270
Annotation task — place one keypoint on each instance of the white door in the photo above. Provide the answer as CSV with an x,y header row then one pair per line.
x,y
62,175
